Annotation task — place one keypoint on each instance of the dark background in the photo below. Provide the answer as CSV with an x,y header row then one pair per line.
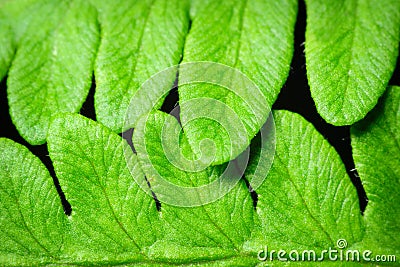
x,y
294,96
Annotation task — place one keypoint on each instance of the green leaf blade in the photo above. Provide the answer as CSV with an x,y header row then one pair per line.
x,y
139,39
213,231
307,201
32,218
52,68
376,151
351,50
254,37
108,207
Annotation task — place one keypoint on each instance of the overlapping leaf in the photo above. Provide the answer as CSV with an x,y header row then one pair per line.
x,y
351,50
32,219
139,39
376,153
254,37
307,201
110,213
216,229
52,68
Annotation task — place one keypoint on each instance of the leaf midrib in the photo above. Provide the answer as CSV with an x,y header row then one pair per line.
x,y
349,62
239,39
